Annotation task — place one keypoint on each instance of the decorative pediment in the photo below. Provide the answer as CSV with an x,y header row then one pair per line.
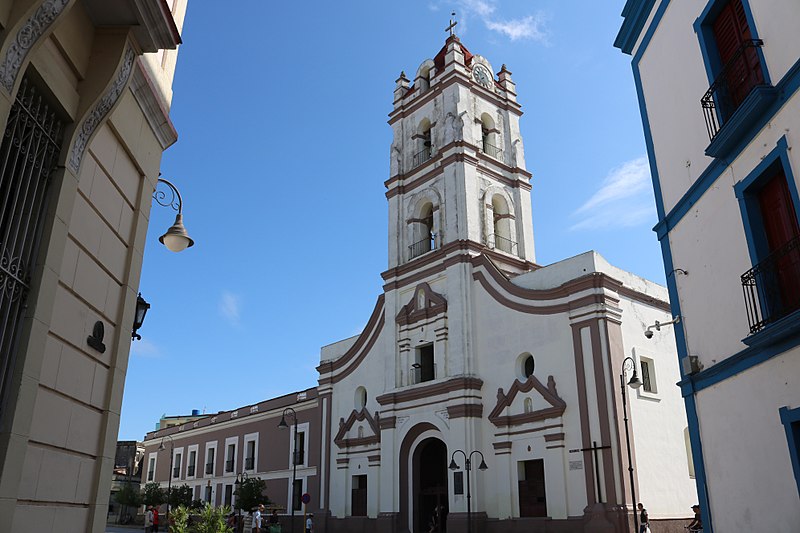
x,y
369,433
424,305
549,394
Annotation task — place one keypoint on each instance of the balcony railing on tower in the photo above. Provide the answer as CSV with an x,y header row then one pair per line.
x,y
420,247
735,81
772,287
502,243
422,156
492,150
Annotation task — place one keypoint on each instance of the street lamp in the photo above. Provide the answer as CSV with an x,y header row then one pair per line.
x,y
161,448
241,477
283,425
467,467
176,239
629,365
138,319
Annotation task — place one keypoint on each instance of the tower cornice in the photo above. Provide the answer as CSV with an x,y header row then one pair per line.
x,y
451,78
417,177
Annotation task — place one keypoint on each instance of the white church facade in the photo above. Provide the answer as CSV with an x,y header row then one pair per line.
x,y
474,347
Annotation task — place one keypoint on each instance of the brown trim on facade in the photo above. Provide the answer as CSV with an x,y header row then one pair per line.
x,y
502,445
555,446
592,299
387,422
375,317
553,437
428,391
601,382
374,458
434,304
435,89
405,476
466,410
583,409
616,353
397,185
345,426
531,430
549,393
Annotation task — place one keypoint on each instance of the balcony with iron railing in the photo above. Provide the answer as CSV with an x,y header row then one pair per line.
x,y
423,156
736,98
492,150
772,287
229,465
249,462
503,244
176,472
190,470
421,247
209,468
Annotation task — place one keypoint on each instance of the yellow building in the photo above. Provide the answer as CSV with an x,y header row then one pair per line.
x,y
85,89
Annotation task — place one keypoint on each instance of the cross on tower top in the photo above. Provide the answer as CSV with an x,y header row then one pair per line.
x,y
452,24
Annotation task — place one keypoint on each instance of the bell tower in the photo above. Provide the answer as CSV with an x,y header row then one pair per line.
x,y
457,173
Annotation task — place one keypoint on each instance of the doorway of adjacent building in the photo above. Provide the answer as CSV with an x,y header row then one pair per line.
x,y
532,495
430,486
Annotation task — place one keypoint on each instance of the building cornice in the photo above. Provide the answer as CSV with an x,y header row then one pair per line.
x,y
153,106
635,15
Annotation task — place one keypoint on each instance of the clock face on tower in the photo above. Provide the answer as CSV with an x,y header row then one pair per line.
x,y
482,75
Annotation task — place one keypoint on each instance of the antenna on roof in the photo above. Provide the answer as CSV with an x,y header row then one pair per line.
x,y
452,25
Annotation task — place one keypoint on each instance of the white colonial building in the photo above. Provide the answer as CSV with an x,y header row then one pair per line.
x,y
473,346
717,82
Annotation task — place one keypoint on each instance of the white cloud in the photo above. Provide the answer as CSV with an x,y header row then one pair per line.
x,y
623,200
145,348
532,27
230,306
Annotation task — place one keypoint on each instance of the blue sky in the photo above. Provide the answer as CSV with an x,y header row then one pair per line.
x,y
282,153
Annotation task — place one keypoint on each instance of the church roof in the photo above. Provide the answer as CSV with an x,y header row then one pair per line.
x,y
438,61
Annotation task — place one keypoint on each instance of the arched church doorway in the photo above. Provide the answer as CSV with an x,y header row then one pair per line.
x,y
429,467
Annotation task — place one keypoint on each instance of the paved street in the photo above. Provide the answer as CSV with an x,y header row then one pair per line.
x,y
123,529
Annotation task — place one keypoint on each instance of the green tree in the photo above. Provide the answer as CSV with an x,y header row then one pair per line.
x,y
179,518
196,505
127,496
181,495
153,494
250,493
212,520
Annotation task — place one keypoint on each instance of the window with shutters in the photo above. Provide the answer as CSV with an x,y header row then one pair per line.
x,y
734,60
768,199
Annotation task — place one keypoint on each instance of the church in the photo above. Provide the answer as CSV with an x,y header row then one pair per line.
x,y
486,386
486,393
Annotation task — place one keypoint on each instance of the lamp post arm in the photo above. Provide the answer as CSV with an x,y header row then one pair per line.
x,y
160,196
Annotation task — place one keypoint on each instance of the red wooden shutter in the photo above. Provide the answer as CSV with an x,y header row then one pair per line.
x,y
781,277
777,212
744,72
727,32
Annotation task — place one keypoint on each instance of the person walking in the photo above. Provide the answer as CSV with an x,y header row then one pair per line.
x,y
696,525
155,520
257,519
148,520
309,523
644,519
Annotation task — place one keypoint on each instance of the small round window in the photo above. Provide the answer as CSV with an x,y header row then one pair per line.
x,y
525,366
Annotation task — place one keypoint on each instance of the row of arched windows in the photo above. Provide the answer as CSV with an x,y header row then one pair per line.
x,y
499,228
490,140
